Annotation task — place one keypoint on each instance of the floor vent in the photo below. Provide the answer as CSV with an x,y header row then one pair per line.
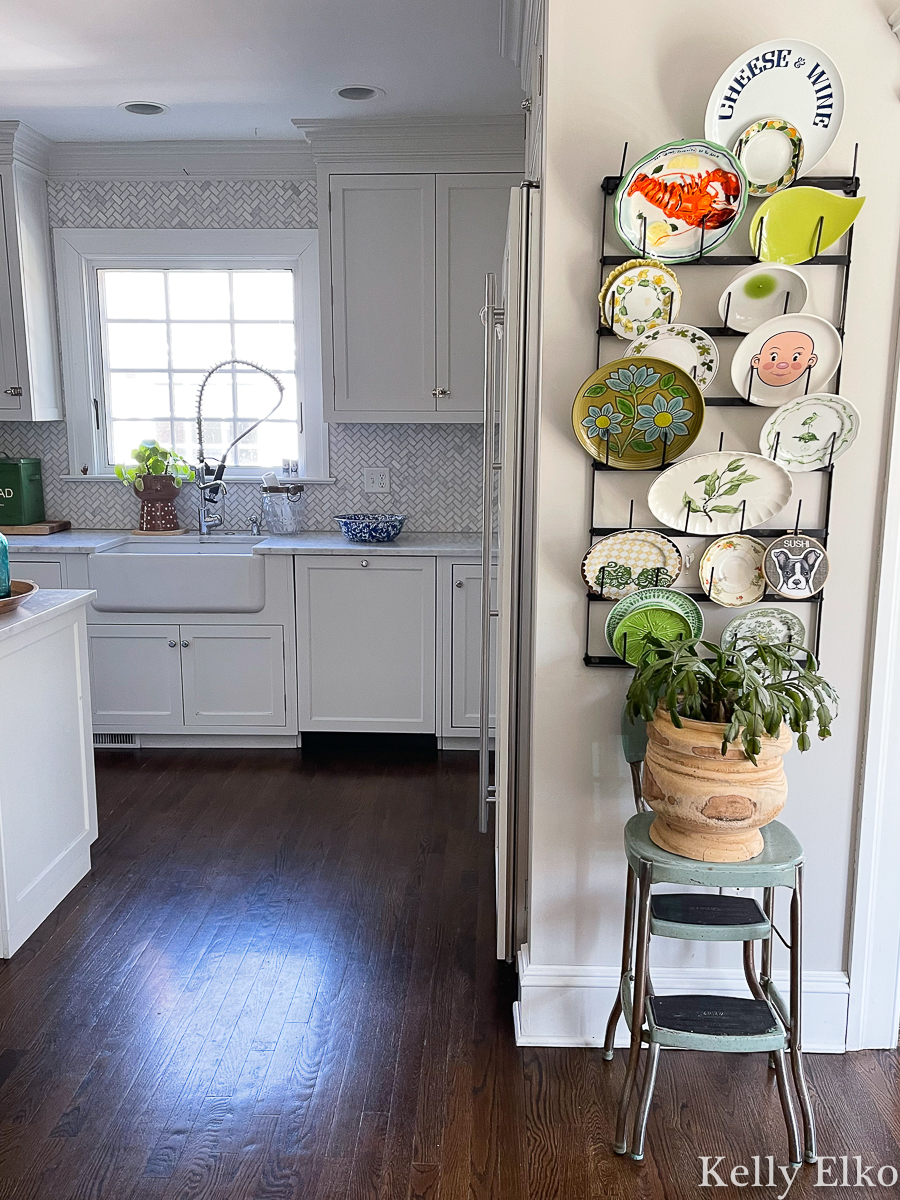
x,y
123,740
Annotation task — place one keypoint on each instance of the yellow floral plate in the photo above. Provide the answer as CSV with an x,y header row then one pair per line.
x,y
643,295
637,413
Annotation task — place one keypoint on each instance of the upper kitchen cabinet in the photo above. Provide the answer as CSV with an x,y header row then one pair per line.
x,y
29,367
409,253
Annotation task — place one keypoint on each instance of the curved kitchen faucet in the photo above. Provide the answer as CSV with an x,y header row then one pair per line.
x,y
211,511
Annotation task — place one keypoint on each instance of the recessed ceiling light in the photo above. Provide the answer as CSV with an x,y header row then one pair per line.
x,y
145,108
358,91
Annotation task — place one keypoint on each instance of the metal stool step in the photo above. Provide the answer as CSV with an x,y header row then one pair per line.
x,y
733,1024
707,917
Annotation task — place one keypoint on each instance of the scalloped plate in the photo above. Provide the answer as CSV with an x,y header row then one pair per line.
x,y
684,345
771,626
664,612
812,432
731,570
706,494
629,561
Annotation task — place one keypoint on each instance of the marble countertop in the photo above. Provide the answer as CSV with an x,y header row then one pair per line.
x,y
43,606
92,541
71,541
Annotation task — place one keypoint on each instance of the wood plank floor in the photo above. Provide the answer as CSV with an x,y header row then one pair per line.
x,y
278,982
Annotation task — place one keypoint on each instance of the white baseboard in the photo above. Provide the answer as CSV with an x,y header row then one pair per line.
x,y
210,741
569,1006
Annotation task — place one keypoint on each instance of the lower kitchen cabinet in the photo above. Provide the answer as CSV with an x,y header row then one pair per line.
x,y
44,574
461,692
366,643
136,676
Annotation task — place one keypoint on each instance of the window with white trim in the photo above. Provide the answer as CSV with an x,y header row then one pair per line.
x,y
146,313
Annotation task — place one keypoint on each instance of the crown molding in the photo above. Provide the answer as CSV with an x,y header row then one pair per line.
x,y
178,160
20,143
335,140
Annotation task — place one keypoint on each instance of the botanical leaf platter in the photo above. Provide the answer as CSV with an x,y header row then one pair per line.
x,y
811,432
684,345
636,413
723,492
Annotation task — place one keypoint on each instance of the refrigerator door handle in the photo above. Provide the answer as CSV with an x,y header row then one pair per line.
x,y
491,317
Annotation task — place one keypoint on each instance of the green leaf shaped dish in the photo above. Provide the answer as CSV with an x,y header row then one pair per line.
x,y
790,222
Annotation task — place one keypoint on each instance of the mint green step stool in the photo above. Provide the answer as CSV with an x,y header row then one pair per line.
x,y
732,1024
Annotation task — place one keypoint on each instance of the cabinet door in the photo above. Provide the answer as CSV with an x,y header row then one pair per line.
x,y
465,654
472,212
366,643
136,676
44,574
233,674
382,264
12,407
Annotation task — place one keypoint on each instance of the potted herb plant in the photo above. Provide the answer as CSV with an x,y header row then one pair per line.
x,y
718,726
157,475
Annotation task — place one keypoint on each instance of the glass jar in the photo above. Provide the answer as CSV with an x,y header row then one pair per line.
x,y
281,508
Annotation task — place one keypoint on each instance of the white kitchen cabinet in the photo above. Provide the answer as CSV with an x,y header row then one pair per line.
x,y
462,652
136,676
366,643
45,574
233,674
408,254
30,388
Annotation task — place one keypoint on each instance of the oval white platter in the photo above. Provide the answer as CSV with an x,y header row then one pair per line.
x,y
722,492
760,293
731,570
771,626
685,346
786,78
781,351
811,432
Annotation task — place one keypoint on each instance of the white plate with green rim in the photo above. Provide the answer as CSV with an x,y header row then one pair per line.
x,y
811,432
770,626
630,561
684,346
731,570
726,491
662,612
760,293
771,152
644,297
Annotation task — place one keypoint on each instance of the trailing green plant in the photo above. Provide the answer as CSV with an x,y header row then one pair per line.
x,y
153,459
751,691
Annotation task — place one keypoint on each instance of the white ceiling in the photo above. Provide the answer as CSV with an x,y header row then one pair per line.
x,y
244,68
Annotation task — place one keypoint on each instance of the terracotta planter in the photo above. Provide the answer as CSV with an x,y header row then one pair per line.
x,y
158,504
709,807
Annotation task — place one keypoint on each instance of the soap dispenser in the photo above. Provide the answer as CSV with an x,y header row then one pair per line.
x,y
4,568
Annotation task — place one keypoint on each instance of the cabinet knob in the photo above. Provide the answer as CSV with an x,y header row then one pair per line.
x,y
172,643
436,392
363,562
185,643
459,583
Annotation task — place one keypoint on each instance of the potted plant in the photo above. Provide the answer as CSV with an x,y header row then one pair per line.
x,y
155,478
718,727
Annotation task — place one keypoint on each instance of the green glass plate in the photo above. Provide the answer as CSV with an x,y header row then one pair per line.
x,y
660,622
652,611
637,413
790,222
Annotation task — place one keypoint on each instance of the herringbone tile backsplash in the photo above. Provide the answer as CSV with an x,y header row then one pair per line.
x,y
435,469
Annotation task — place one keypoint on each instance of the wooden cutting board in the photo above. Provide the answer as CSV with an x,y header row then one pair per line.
x,y
42,527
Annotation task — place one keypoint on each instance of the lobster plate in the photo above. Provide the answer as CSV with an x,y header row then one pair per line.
x,y
685,198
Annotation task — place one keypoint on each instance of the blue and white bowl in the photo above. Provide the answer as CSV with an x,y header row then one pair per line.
x,y
370,527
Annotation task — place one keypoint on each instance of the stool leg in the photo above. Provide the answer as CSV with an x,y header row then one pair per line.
x,y
750,973
766,966
787,1107
638,1000
643,1110
796,1049
627,947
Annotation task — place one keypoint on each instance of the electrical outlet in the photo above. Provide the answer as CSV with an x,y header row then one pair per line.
x,y
376,479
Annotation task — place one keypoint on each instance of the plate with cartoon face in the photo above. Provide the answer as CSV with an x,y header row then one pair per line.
x,y
785,358
811,432
684,345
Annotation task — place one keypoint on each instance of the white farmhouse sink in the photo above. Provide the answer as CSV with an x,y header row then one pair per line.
x,y
179,574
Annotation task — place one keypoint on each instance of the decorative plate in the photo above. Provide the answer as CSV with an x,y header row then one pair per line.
x,y
771,626
664,613
810,432
632,264
723,492
771,153
632,560
785,228
731,570
636,413
685,346
665,200
789,356
791,78
760,293
796,566
641,298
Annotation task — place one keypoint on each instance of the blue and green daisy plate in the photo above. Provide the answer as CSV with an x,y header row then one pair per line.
x,y
638,413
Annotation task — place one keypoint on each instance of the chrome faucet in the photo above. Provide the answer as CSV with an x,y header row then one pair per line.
x,y
211,512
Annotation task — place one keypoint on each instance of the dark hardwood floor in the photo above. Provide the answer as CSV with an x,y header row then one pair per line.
x,y
278,982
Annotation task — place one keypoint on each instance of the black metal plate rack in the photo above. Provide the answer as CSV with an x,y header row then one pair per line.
x,y
849,185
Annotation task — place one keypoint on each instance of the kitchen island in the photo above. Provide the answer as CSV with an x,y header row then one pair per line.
x,y
48,803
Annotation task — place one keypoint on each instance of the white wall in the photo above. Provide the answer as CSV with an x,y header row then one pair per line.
x,y
610,78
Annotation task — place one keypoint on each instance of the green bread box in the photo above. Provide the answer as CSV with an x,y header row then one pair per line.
x,y
21,491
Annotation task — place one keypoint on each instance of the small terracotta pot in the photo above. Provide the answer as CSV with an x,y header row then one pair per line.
x,y
158,503
709,807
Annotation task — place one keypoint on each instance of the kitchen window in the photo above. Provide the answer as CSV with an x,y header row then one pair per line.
x,y
146,313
